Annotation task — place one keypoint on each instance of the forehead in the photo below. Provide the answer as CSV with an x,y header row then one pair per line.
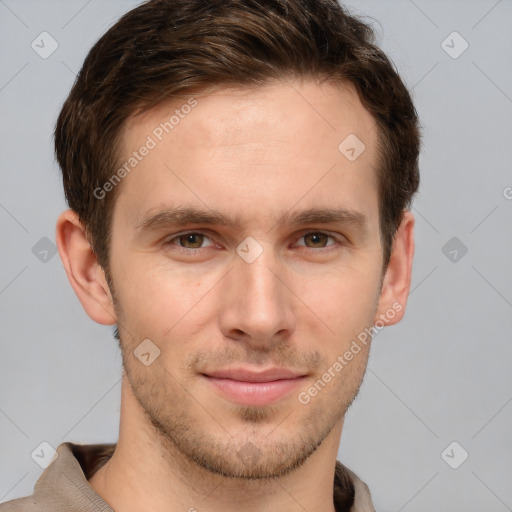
x,y
253,146
234,110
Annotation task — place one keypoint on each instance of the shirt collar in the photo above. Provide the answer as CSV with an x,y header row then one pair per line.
x,y
64,485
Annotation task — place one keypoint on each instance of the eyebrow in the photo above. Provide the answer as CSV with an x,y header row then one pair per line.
x,y
183,216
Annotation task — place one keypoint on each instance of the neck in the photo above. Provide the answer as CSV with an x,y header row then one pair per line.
x,y
147,471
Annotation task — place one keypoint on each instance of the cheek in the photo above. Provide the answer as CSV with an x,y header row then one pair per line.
x,y
333,303
344,302
159,302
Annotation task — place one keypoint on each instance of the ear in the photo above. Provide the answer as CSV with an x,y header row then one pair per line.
x,y
83,270
397,278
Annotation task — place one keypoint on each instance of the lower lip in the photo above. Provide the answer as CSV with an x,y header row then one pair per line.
x,y
255,393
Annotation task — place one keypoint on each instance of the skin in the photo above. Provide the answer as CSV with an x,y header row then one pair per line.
x,y
254,154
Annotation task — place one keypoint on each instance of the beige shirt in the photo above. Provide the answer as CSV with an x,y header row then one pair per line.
x,y
63,485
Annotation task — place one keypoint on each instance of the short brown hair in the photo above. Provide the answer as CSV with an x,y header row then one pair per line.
x,y
163,49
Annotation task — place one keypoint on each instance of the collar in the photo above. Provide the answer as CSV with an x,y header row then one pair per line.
x,y
63,485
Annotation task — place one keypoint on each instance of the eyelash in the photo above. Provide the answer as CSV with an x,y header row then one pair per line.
x,y
324,250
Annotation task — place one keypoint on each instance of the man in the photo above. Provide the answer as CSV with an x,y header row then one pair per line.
x,y
239,174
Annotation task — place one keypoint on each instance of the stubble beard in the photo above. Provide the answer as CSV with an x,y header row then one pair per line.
x,y
262,450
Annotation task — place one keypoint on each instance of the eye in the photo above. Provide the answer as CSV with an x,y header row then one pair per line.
x,y
317,240
191,240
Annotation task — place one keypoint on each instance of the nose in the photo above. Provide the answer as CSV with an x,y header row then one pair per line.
x,y
257,305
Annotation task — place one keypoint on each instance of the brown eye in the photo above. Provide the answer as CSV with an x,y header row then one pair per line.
x,y
315,240
191,240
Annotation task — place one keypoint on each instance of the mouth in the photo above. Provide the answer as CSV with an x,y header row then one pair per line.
x,y
246,387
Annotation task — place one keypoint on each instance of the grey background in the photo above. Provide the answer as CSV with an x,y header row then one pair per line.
x,y
441,375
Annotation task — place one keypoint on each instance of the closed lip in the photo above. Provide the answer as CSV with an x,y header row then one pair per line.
x,y
246,375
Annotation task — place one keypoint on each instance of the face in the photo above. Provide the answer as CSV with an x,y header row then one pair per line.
x,y
246,248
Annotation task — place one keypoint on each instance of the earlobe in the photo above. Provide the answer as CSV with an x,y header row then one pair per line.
x,y
83,270
397,279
